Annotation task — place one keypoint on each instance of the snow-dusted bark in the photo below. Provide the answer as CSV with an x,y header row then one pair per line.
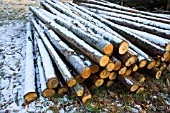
x,y
151,49
95,55
69,79
120,46
144,21
29,86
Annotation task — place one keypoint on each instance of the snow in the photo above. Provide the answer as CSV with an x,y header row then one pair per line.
x,y
127,81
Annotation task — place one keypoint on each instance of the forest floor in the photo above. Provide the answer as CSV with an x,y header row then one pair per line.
x,y
13,18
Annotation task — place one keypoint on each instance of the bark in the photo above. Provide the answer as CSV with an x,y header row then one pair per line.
x,y
109,83
120,46
133,19
68,53
138,77
133,12
168,5
29,87
79,89
96,80
155,72
95,55
69,79
129,82
102,45
49,71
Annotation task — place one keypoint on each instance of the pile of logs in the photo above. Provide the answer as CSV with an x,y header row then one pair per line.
x,y
75,47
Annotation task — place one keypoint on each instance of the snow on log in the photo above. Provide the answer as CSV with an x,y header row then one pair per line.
x,y
29,85
49,71
92,6
102,45
69,79
120,46
69,53
95,55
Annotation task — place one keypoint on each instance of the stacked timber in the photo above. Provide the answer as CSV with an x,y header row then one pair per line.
x,y
95,45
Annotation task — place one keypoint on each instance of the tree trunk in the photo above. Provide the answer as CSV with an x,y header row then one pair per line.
x,y
120,46
168,5
102,60
69,79
29,84
129,82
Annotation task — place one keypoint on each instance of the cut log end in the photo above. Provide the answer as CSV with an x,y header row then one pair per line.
x,y
30,96
104,61
168,47
79,79
62,91
86,73
166,56
123,47
108,50
52,83
112,76
158,74
110,66
117,66
86,98
71,83
109,83
141,89
104,74
99,82
79,93
134,87
48,93
131,61
151,64
142,63
94,68
142,80
128,72
135,68
122,70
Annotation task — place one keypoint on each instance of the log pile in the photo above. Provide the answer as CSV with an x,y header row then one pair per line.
x,y
80,48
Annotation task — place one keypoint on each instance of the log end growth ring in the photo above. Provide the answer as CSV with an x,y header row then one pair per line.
x,y
48,93
168,47
108,50
80,93
86,73
151,64
158,74
94,68
123,47
166,56
131,61
110,66
71,83
134,87
117,66
62,91
85,98
104,61
99,82
142,63
135,68
52,83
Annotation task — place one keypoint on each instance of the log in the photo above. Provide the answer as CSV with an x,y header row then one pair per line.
x,y
110,66
112,75
155,72
143,21
68,53
163,20
129,82
102,45
141,89
29,84
120,46
134,68
117,63
158,63
128,71
69,79
49,71
96,80
46,92
138,77
95,55
104,74
78,89
86,95
123,70
78,77
109,83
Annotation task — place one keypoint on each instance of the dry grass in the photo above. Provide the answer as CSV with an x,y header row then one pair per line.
x,y
15,9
